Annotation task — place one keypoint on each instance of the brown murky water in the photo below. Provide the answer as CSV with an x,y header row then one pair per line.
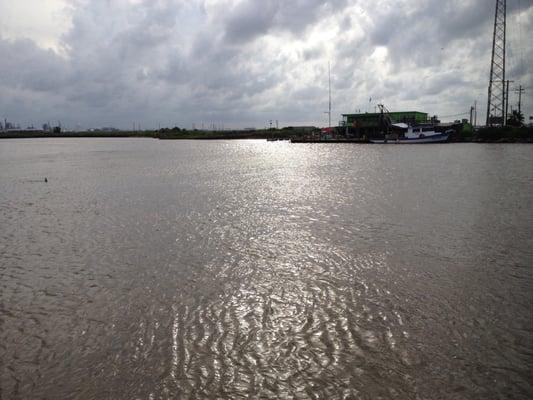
x,y
247,269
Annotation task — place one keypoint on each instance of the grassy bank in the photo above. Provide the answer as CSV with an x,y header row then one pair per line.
x,y
484,135
285,133
166,134
91,134
507,134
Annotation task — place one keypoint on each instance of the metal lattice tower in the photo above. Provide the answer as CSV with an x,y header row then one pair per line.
x,y
497,98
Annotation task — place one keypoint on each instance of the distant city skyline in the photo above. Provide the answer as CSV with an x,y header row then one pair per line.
x,y
240,63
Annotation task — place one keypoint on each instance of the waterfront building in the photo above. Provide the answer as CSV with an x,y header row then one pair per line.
x,y
369,120
370,124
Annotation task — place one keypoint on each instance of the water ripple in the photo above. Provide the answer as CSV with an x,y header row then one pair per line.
x,y
250,270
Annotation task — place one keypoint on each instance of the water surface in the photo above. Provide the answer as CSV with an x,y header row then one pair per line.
x,y
249,269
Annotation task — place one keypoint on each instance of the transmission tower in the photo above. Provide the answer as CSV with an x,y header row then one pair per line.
x,y
497,98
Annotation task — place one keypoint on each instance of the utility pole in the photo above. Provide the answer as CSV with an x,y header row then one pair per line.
x,y
520,90
506,102
496,95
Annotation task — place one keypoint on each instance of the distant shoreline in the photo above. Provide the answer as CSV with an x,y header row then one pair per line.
x,y
484,135
163,135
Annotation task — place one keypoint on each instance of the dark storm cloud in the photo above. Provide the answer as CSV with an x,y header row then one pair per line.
x,y
250,19
28,67
244,62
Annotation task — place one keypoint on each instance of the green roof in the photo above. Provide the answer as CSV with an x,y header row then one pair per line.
x,y
372,120
391,112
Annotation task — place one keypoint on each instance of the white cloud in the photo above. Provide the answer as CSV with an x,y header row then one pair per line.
x,y
43,21
243,62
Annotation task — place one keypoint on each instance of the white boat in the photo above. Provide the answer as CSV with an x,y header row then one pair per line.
x,y
414,134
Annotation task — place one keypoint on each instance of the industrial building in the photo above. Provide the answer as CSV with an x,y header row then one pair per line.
x,y
369,120
371,124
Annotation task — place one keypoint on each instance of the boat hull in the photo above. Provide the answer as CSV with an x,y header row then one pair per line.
x,y
440,138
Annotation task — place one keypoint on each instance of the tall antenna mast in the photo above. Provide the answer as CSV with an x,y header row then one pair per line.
x,y
497,99
329,109
329,103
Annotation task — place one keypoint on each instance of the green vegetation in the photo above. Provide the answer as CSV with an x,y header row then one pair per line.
x,y
177,133
516,118
88,134
172,133
505,134
465,133
284,133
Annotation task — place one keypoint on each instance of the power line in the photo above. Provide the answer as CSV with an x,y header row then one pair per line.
x,y
455,115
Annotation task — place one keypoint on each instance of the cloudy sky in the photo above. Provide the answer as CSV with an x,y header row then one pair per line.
x,y
240,63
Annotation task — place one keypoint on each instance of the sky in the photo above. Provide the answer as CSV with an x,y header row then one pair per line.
x,y
243,63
